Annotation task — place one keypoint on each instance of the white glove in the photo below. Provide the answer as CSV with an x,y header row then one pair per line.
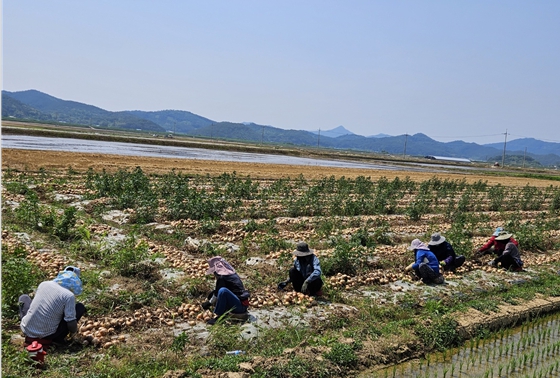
x,y
213,300
304,286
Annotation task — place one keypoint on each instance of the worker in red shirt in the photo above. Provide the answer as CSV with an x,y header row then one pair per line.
x,y
510,259
495,246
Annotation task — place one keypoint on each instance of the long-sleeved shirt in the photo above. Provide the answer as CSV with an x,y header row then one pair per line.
x,y
498,247
443,252
234,284
51,304
311,271
426,256
511,250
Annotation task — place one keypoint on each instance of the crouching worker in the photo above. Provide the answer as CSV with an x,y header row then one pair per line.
x,y
494,247
305,275
53,312
445,254
510,259
426,264
229,296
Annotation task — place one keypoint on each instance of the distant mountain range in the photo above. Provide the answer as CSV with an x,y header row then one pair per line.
x,y
37,106
334,133
342,131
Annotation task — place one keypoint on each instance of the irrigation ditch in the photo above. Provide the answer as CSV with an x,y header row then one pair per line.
x,y
528,350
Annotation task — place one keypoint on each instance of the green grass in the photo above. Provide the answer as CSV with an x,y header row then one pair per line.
x,y
346,216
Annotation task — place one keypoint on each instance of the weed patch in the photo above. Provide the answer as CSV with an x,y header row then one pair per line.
x,y
19,277
438,333
342,355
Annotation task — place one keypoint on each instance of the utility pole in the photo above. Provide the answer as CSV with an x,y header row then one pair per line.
x,y
262,134
504,154
318,137
524,155
174,128
405,139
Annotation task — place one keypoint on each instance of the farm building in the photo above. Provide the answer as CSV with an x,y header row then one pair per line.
x,y
447,158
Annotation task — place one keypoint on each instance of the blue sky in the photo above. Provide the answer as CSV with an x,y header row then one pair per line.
x,y
450,69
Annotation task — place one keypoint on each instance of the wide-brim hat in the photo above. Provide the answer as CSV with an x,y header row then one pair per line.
x,y
220,266
302,249
437,239
497,231
417,244
503,235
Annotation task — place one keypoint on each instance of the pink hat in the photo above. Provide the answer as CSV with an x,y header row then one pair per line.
x,y
220,266
417,244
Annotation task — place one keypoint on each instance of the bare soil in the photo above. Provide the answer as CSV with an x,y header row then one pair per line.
x,y
34,160
384,350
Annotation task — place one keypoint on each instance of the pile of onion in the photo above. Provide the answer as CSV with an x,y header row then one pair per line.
x,y
295,298
50,262
101,333
266,299
191,311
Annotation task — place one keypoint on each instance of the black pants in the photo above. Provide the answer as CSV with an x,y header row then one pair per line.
x,y
428,275
508,262
62,330
457,262
297,281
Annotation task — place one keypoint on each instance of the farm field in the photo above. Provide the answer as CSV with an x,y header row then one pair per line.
x,y
34,160
142,230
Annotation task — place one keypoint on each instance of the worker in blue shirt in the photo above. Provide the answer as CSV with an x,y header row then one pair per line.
x,y
305,275
426,264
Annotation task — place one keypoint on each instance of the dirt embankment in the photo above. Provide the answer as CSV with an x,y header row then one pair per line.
x,y
507,315
33,160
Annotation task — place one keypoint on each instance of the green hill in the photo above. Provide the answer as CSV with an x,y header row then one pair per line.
x,y
49,108
178,121
35,105
12,108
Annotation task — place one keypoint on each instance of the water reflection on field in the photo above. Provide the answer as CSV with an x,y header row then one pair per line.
x,y
146,150
532,350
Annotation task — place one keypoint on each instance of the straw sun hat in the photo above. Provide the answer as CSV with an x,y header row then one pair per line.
x,y
503,235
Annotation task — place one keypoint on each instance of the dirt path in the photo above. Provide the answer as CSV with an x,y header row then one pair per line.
x,y
33,160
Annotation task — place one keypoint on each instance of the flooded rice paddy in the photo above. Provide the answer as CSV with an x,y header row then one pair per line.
x,y
532,350
146,150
